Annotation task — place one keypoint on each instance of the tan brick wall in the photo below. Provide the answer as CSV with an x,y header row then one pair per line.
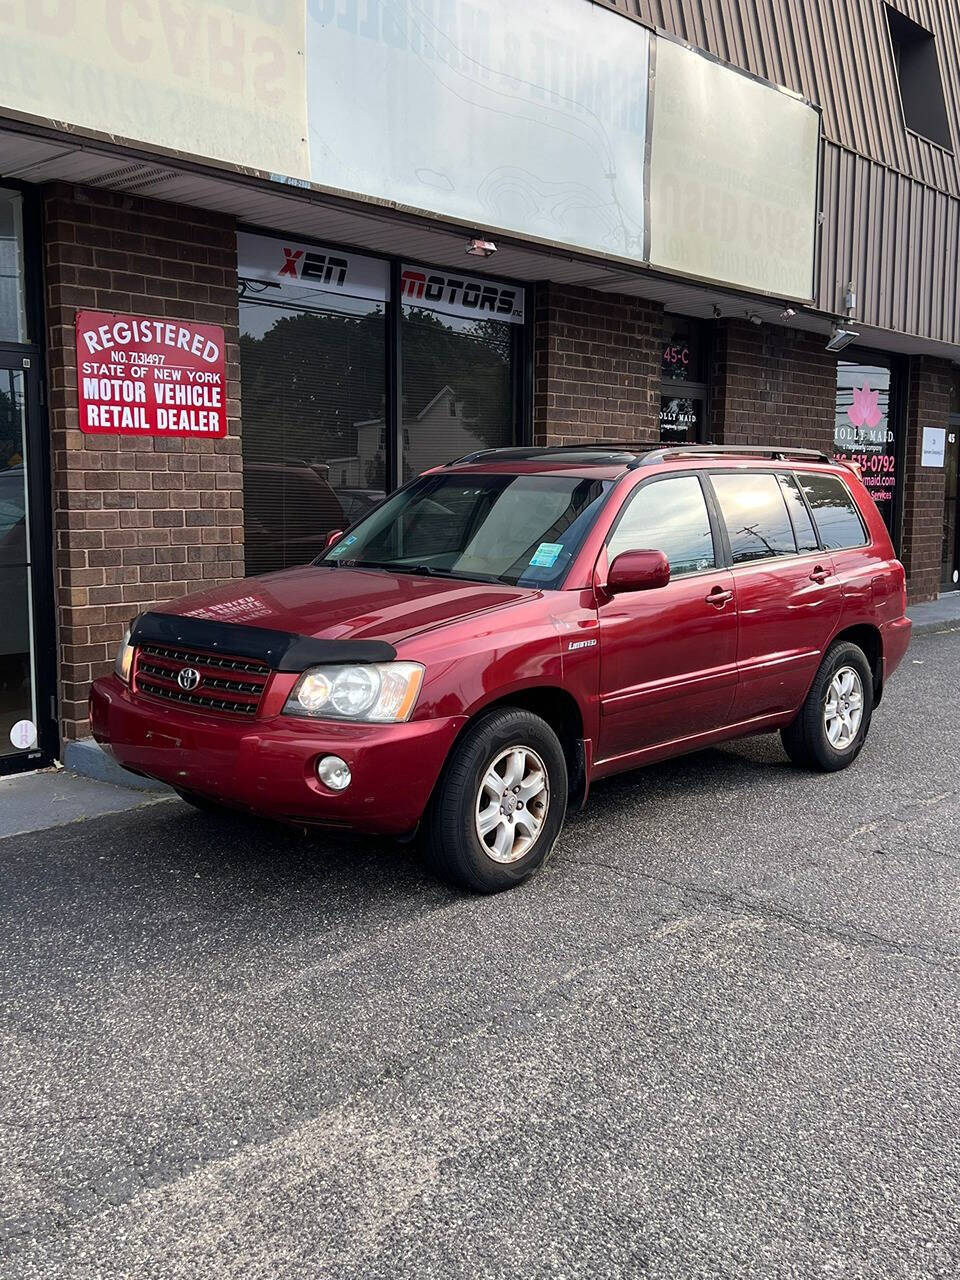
x,y
928,405
596,367
136,520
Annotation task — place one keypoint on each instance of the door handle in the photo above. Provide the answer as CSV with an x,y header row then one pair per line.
x,y
820,574
718,597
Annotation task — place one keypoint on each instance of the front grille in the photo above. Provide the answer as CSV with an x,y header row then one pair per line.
x,y
234,685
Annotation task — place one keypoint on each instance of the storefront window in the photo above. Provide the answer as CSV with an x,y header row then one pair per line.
x,y
457,385
13,322
319,429
683,381
312,364
864,432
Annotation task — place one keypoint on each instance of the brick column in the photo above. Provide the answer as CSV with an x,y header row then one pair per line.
x,y
928,405
136,520
596,367
772,386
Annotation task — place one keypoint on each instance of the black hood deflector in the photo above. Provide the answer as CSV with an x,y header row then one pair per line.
x,y
281,650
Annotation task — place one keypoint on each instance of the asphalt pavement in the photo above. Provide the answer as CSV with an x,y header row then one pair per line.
x,y
719,1035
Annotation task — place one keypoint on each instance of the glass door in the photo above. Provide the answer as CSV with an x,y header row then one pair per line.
x,y
24,721
950,578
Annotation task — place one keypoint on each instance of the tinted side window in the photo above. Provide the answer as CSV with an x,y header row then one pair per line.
x,y
755,514
802,524
835,512
668,516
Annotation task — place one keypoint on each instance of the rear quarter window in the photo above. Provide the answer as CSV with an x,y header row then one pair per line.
x,y
835,512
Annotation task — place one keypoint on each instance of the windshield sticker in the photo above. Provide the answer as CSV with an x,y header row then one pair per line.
x,y
341,547
546,554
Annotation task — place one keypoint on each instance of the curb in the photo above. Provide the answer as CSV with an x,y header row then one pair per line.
x,y
89,759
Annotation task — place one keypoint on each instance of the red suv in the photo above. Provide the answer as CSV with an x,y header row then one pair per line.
x,y
507,628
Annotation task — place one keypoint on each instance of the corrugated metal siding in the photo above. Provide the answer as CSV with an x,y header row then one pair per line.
x,y
891,200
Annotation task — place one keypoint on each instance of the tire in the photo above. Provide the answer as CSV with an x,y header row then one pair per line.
x,y
807,740
202,803
454,847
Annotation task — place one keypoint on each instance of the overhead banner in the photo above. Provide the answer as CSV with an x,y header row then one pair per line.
x,y
287,264
454,294
733,176
222,79
521,117
139,375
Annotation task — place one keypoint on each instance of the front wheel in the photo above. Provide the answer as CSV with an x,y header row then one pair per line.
x,y
832,726
500,804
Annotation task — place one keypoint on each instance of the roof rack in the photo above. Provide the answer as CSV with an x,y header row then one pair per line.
x,y
611,450
734,451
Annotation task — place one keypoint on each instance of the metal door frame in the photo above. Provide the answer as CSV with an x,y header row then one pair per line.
x,y
953,424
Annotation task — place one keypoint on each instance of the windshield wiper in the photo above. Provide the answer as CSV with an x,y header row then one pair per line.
x,y
427,570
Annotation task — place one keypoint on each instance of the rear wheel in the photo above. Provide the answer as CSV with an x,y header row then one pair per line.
x,y
832,726
500,804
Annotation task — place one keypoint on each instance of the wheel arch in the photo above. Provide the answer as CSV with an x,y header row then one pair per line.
x,y
560,709
868,638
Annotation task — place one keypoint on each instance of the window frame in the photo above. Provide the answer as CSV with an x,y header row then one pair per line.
x,y
867,534
892,16
729,562
695,390
713,516
522,346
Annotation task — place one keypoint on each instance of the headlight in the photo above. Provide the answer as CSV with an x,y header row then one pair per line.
x,y
123,665
383,692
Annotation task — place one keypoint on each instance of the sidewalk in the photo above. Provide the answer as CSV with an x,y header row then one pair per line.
x,y
54,797
936,615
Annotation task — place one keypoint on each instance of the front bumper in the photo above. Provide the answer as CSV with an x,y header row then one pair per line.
x,y
269,766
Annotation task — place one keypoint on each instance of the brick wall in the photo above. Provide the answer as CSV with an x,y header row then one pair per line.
x,y
596,367
136,520
772,386
928,405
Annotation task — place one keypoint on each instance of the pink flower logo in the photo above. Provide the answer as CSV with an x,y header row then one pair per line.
x,y
865,410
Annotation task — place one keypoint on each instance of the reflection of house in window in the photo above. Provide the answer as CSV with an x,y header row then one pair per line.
x,y
439,430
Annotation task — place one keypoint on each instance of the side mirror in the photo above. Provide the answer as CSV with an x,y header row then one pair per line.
x,y
638,571
332,538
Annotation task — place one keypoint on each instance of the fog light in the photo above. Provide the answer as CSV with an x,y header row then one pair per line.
x,y
334,773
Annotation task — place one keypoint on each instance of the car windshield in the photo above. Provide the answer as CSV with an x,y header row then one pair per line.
x,y
519,529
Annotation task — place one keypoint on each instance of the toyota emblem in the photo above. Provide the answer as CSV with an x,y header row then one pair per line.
x,y
188,678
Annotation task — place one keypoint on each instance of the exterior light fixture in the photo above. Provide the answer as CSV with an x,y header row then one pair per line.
x,y
840,338
717,313
787,313
481,248
754,318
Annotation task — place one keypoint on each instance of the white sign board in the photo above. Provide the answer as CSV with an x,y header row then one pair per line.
x,y
293,269
733,176
454,294
521,117
934,446
222,79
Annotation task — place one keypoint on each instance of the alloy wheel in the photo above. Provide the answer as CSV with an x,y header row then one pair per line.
x,y
843,709
512,804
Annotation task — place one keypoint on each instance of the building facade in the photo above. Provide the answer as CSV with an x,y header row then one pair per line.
x,y
246,284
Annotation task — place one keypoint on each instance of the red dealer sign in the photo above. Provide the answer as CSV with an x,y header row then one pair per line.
x,y
137,375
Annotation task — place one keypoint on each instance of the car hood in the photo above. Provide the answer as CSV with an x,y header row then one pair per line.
x,y
346,603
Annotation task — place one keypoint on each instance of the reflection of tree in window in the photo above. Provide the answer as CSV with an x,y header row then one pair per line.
x,y
467,365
